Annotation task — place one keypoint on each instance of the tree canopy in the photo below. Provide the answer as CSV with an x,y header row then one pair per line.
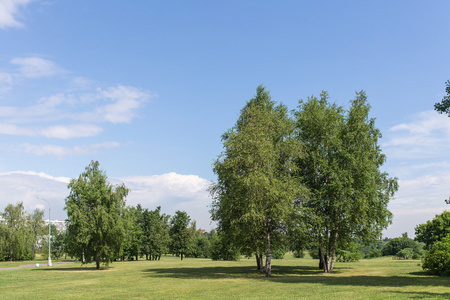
x,y
443,107
179,233
96,217
347,193
255,189
434,230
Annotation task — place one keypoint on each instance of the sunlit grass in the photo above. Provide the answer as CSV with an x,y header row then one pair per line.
x,y
381,278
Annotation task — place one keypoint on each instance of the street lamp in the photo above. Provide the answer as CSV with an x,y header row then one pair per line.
x,y
49,232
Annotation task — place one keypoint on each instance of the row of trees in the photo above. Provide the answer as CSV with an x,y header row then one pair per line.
x,y
313,176
20,232
101,228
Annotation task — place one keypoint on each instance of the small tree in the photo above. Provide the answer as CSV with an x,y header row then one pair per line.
x,y
36,225
96,223
405,253
179,233
16,235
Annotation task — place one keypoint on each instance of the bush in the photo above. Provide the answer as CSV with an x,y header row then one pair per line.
x,y
374,253
299,253
437,259
348,256
405,253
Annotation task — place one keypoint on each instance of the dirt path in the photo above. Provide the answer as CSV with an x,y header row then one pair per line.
x,y
40,265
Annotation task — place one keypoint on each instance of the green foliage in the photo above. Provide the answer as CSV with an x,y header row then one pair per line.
x,y
434,230
37,227
374,253
97,222
16,236
437,258
405,253
44,242
155,230
396,245
179,234
348,194
444,105
349,253
58,241
372,249
255,189
299,253
222,248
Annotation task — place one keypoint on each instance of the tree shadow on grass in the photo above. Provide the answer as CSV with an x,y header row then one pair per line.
x,y
233,272
423,295
226,272
75,269
299,274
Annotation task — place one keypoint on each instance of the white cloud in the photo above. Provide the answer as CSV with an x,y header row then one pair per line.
x,y
71,131
126,101
60,131
25,186
36,67
5,82
417,153
170,191
6,78
61,151
9,9
428,135
122,106
39,174
11,129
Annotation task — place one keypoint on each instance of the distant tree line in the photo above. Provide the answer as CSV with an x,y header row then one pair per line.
x,y
101,228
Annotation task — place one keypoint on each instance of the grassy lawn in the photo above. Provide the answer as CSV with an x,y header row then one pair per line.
x,y
381,278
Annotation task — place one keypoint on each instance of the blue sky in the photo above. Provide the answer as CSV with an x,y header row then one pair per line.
x,y
148,87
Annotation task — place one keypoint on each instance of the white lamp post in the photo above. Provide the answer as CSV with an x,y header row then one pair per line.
x,y
49,232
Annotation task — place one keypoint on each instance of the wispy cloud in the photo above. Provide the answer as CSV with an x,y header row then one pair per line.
x,y
82,109
123,102
39,174
427,135
113,105
417,153
61,151
9,10
36,67
59,131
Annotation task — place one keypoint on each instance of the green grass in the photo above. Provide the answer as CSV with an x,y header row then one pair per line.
x,y
381,278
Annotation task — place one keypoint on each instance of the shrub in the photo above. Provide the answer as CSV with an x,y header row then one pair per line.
x,y
299,253
437,259
348,256
405,253
374,253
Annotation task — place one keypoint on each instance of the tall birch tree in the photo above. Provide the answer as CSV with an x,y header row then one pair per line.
x,y
348,194
255,190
